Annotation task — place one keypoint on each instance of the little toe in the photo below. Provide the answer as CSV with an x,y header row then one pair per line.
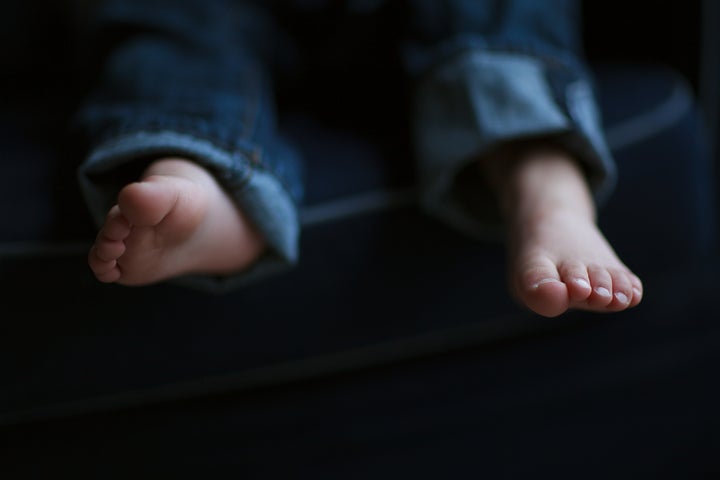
x,y
110,276
637,290
602,288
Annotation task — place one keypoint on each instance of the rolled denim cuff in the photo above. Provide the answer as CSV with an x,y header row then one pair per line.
x,y
482,99
261,196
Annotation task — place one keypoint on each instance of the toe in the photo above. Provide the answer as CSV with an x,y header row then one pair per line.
x,y
110,276
575,276
116,226
146,203
540,288
637,290
601,283
533,273
622,290
105,271
108,250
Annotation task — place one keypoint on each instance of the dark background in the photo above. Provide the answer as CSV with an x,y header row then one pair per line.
x,y
663,32
635,391
659,32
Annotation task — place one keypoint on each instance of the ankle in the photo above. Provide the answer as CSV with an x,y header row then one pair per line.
x,y
536,179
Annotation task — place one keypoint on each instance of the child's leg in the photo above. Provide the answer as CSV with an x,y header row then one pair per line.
x,y
175,220
558,258
199,84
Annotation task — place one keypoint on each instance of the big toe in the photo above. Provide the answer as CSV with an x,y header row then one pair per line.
x,y
540,288
147,203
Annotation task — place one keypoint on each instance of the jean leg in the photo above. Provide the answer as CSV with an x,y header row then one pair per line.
x,y
189,78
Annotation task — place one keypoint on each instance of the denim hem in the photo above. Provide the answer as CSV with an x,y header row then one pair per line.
x,y
485,98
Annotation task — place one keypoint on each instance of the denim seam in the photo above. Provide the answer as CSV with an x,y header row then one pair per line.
x,y
253,154
551,61
196,127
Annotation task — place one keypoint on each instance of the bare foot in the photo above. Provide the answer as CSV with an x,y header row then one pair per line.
x,y
558,257
176,220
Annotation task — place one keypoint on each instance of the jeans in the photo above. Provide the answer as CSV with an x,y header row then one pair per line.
x,y
198,79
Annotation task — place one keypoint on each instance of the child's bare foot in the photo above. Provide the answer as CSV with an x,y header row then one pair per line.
x,y
176,220
558,257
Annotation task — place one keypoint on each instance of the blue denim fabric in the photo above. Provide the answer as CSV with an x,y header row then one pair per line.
x,y
492,72
193,78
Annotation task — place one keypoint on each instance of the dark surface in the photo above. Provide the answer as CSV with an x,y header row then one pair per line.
x,y
621,396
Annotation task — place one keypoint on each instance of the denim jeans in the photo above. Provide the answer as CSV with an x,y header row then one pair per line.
x,y
195,78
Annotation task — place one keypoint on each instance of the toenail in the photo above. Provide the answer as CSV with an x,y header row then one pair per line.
x,y
544,281
621,297
637,292
581,282
602,291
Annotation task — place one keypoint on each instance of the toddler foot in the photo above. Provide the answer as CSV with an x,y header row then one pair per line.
x,y
558,257
176,220
561,261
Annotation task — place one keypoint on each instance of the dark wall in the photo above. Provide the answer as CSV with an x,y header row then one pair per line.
x,y
658,32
